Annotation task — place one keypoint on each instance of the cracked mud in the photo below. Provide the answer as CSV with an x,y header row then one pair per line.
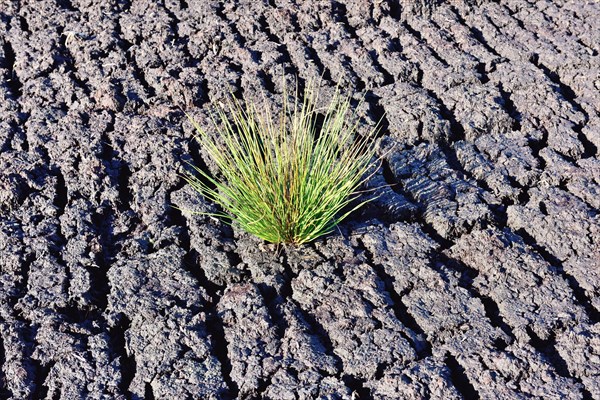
x,y
475,273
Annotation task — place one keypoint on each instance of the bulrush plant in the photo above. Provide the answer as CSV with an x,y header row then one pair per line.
x,y
289,179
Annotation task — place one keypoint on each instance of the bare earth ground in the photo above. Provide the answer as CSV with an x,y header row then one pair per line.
x,y
476,274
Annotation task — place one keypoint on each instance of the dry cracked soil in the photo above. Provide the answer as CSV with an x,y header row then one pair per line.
x,y
475,273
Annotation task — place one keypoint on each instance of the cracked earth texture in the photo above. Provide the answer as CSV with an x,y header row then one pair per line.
x,y
475,274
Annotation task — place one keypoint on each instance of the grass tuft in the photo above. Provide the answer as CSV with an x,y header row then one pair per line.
x,y
289,179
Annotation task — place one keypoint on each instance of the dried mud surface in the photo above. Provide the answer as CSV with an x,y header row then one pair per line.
x,y
476,273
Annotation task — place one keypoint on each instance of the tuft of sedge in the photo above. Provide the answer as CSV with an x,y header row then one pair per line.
x,y
289,179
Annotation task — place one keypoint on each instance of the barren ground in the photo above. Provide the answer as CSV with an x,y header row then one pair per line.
x,y
476,274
